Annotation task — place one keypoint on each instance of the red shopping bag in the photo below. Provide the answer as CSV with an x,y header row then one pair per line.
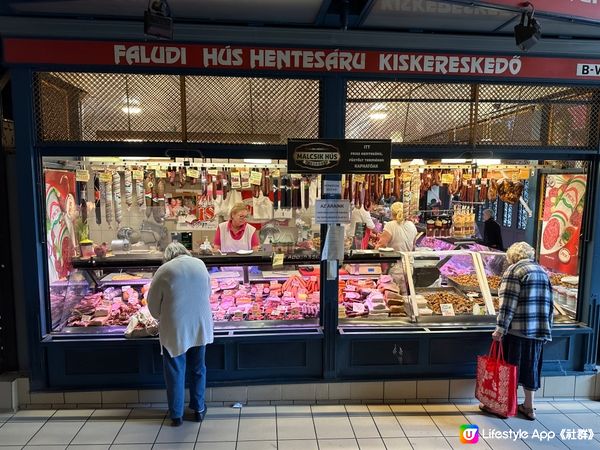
x,y
496,386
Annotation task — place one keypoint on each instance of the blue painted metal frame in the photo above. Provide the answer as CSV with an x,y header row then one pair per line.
x,y
332,122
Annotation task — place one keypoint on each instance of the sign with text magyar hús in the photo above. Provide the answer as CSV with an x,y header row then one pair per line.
x,y
339,156
130,55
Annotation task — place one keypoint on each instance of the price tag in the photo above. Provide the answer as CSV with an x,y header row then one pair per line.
x,y
160,173
194,173
276,173
236,182
523,174
213,172
245,177
447,309
389,176
467,176
256,177
447,178
358,179
278,259
476,309
276,312
238,314
137,174
406,176
86,318
358,308
106,177
82,175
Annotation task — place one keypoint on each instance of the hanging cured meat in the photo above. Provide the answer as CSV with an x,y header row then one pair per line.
x,y
108,203
159,200
83,203
509,191
492,191
148,187
97,199
182,176
139,194
116,176
128,188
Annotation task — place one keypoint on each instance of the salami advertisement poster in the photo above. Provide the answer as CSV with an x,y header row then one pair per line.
x,y
564,197
61,215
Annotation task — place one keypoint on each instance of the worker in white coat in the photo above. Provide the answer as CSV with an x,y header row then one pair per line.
x,y
179,300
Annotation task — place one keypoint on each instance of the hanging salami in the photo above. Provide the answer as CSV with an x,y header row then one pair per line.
x,y
128,189
97,199
108,203
116,176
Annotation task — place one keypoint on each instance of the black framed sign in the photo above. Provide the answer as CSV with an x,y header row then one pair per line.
x,y
339,156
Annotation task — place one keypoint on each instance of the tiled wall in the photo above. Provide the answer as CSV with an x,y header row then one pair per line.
x,y
413,391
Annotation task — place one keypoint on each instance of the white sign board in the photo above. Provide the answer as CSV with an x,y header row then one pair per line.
x,y
332,211
332,187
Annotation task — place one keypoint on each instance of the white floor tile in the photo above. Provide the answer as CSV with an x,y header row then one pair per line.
x,y
362,423
131,446
32,415
98,432
188,432
139,431
386,421
415,421
429,443
111,414
570,407
583,420
4,416
295,428
216,446
371,444
556,422
18,433
72,414
44,447
219,424
456,444
331,422
174,446
505,444
335,444
88,447
296,444
449,423
397,443
256,445
255,429
54,433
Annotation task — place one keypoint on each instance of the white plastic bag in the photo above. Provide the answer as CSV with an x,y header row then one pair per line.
x,y
262,207
141,325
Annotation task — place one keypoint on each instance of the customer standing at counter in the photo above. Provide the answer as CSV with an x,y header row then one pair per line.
x,y
492,233
236,234
524,322
398,233
179,299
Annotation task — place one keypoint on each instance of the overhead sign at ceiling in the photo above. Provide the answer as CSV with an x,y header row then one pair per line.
x,y
584,9
130,55
339,156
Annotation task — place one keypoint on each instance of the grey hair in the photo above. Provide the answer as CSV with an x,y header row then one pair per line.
x,y
490,212
519,251
173,250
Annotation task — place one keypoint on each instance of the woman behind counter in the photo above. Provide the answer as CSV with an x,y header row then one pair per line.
x,y
398,233
236,234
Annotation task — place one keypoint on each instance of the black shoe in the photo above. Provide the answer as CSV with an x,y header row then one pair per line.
x,y
177,422
199,415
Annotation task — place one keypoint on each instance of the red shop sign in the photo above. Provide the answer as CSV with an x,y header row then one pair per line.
x,y
199,56
585,9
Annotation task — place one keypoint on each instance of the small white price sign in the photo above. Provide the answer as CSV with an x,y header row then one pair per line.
x,y
255,177
160,173
137,174
106,177
82,175
447,309
358,308
193,173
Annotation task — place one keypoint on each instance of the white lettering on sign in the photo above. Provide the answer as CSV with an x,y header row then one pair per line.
x,y
223,57
307,59
588,70
155,54
397,62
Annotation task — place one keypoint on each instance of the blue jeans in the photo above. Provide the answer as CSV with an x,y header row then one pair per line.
x,y
175,369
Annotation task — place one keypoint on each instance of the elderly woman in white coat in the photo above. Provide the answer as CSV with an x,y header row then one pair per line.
x,y
179,299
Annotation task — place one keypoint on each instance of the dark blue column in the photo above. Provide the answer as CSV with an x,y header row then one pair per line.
x,y
31,190
331,126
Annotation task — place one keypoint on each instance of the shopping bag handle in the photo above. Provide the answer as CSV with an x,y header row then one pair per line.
x,y
496,351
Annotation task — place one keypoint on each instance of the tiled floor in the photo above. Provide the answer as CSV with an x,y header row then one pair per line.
x,y
298,427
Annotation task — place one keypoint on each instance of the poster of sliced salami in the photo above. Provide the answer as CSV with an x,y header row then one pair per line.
x,y
61,215
564,197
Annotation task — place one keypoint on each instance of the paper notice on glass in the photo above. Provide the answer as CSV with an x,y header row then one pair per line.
x,y
333,250
447,309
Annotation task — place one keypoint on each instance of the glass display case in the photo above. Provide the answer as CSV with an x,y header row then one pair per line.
x,y
102,293
448,286
564,287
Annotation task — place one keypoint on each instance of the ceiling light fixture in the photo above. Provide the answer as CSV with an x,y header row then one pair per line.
x,y
417,162
157,19
529,31
453,161
257,161
378,116
131,109
487,162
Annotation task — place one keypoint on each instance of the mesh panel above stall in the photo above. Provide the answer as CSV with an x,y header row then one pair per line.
x,y
172,108
416,113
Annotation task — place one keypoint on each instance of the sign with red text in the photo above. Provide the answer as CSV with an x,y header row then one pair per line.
x,y
130,55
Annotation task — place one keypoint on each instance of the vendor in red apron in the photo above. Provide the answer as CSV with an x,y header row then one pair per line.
x,y
236,234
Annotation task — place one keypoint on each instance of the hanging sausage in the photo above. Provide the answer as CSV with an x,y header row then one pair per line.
x,y
108,203
116,177
159,208
97,199
128,189
148,186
